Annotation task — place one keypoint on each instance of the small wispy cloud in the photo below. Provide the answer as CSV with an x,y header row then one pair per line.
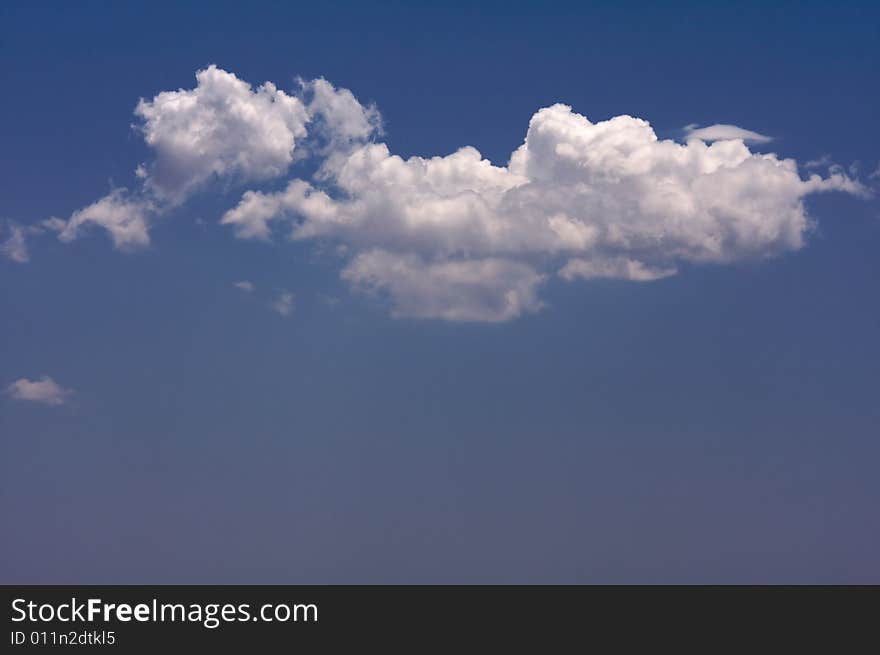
x,y
283,303
822,162
45,390
723,132
14,247
244,285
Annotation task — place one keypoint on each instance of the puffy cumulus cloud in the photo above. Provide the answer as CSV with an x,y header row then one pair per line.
x,y
455,236
126,218
605,199
489,290
337,116
722,132
44,390
244,285
442,203
251,216
223,127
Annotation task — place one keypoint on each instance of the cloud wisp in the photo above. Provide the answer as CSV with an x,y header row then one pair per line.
x,y
14,247
454,236
723,132
45,391
283,304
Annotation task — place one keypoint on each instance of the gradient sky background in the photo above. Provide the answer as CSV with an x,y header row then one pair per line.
x,y
720,425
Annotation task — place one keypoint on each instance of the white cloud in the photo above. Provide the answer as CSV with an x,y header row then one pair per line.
x,y
283,303
221,128
821,162
14,247
244,285
722,132
338,115
578,198
44,390
488,290
126,218
851,171
608,198
252,214
619,268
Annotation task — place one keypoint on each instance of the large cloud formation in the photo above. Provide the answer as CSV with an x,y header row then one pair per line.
x,y
456,237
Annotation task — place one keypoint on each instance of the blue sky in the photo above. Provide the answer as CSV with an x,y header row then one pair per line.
x,y
610,359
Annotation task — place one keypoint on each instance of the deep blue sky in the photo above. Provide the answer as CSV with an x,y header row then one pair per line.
x,y
716,426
